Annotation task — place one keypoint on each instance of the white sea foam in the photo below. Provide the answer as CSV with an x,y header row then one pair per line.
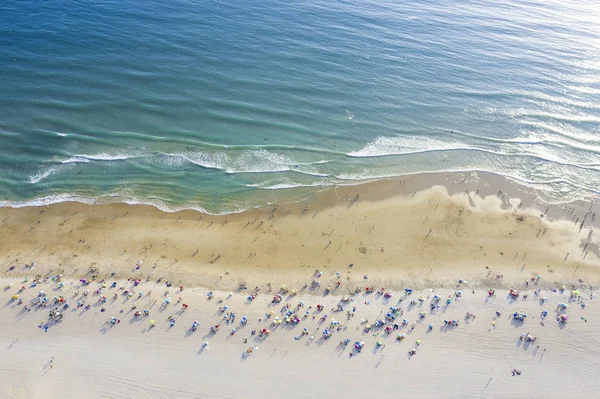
x,y
47,200
42,175
250,161
285,186
108,199
404,145
99,157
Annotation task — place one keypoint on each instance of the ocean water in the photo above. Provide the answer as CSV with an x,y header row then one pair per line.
x,y
221,104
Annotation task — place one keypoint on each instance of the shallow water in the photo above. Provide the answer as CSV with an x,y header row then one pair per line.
x,y
208,103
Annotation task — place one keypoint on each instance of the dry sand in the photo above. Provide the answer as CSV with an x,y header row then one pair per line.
x,y
130,360
424,232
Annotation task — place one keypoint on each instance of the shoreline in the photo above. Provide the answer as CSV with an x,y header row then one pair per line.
x,y
289,196
393,231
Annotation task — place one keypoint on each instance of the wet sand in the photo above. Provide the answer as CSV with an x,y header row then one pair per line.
x,y
468,229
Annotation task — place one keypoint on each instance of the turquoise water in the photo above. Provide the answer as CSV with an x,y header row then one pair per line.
x,y
211,103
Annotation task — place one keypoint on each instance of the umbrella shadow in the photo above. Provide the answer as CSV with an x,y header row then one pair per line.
x,y
189,332
135,319
516,323
19,316
201,350
104,329
9,347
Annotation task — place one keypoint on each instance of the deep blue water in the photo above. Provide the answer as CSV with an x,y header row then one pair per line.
x,y
215,103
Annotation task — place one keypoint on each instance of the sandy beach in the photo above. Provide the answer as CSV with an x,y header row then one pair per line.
x,y
399,231
425,233
91,358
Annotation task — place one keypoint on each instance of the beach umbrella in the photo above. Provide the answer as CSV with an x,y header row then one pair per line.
x,y
151,322
431,327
